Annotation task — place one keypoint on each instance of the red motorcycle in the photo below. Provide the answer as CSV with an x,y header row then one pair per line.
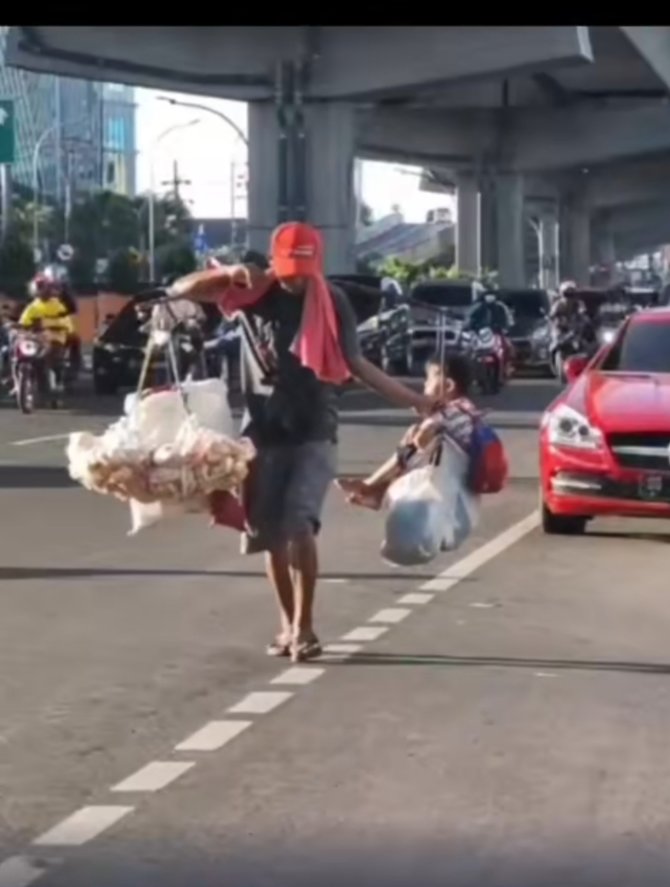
x,y
491,357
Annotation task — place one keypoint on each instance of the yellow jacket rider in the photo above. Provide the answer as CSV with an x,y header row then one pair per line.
x,y
47,310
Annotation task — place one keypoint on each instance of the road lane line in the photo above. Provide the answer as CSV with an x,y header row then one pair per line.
x,y
391,615
33,440
213,736
19,871
299,675
365,633
416,597
155,776
84,825
482,555
260,703
339,652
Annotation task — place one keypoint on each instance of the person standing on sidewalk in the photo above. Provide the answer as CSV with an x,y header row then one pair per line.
x,y
299,345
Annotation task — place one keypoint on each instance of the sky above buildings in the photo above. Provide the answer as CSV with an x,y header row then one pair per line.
x,y
206,151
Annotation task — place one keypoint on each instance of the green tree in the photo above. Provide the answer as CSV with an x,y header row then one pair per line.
x,y
123,271
16,263
405,272
175,259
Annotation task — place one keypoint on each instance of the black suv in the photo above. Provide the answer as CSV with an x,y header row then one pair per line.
x,y
530,332
410,330
118,351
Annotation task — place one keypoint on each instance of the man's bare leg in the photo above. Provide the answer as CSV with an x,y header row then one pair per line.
x,y
305,567
278,566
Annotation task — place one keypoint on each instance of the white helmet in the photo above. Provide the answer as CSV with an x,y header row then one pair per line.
x,y
566,286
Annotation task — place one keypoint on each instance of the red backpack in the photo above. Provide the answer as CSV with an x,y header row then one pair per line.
x,y
488,467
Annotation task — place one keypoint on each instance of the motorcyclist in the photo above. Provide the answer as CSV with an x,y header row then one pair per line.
x,y
569,317
46,313
568,307
489,312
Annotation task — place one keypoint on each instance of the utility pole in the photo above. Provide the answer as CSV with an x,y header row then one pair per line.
x,y
175,181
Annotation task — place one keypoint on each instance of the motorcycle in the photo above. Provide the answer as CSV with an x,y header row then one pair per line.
x,y
33,370
566,343
487,353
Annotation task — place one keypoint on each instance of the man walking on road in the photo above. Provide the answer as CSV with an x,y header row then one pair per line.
x,y
301,337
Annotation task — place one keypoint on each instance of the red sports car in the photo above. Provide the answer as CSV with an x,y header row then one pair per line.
x,y
605,441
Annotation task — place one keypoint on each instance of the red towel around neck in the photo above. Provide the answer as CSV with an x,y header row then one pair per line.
x,y
317,344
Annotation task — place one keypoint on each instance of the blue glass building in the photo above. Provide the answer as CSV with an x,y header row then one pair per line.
x,y
85,131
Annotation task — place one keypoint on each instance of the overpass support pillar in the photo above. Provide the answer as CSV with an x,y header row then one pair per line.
x,y
511,229
488,224
468,252
575,234
604,248
301,167
549,250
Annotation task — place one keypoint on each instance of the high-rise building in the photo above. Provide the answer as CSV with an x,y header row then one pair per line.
x,y
81,134
119,138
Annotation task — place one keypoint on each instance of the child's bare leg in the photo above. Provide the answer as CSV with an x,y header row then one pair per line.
x,y
370,491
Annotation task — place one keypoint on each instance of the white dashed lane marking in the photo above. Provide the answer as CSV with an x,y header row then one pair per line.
x,y
476,559
213,736
33,440
155,776
87,823
416,597
299,675
84,825
365,633
391,615
260,703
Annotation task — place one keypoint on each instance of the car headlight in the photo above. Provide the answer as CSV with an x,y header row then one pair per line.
x,y
568,428
607,336
542,333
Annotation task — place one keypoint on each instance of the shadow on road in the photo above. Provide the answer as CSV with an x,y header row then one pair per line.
x,y
651,668
663,538
439,848
28,573
23,477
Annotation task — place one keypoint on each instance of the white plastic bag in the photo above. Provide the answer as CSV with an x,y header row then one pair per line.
x,y
163,458
429,510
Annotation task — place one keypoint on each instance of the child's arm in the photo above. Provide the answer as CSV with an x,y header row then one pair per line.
x,y
425,433
385,473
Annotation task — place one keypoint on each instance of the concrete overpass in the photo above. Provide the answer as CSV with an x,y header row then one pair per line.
x,y
500,104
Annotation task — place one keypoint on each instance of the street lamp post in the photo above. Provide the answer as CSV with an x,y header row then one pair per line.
x,y
208,110
36,185
152,202
239,134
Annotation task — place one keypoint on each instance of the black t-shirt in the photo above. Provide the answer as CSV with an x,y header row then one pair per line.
x,y
298,407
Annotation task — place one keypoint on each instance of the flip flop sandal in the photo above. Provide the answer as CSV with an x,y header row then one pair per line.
x,y
301,651
278,647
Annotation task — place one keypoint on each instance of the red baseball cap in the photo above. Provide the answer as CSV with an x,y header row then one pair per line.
x,y
297,250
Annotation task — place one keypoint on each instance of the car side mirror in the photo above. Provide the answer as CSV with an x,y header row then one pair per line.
x,y
575,366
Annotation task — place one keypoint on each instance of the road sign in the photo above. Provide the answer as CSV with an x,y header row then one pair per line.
x,y
6,131
65,252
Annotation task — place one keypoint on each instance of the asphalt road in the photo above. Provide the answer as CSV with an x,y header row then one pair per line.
x,y
504,724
